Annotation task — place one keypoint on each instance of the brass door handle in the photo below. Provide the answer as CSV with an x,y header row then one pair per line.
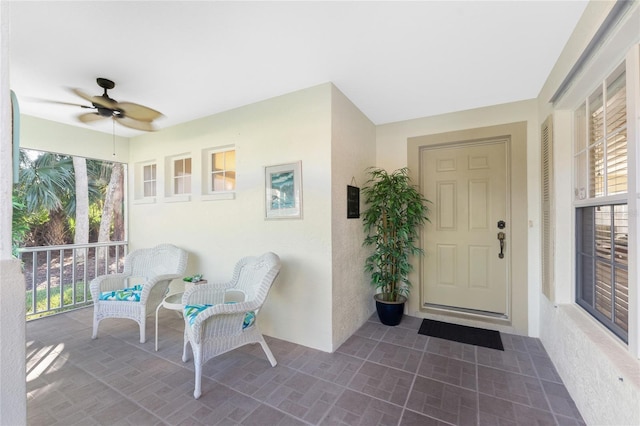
x,y
501,236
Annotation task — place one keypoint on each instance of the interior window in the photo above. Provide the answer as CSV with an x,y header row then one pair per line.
x,y
149,180
182,176
223,171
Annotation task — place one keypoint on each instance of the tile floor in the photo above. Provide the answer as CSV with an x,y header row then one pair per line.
x,y
380,376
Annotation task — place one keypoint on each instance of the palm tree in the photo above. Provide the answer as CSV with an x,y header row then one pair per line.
x,y
19,223
110,207
45,184
62,187
81,234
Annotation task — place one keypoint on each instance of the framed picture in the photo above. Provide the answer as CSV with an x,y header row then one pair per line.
x,y
353,202
283,191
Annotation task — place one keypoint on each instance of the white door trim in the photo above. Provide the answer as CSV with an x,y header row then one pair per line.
x,y
518,314
465,144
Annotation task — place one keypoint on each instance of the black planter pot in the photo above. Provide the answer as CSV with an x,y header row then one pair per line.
x,y
390,313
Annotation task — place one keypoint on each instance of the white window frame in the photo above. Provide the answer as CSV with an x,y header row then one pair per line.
x,y
139,196
582,193
186,177
631,198
153,180
208,194
211,172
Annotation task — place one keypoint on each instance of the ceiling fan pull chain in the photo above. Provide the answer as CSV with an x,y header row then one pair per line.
x,y
113,122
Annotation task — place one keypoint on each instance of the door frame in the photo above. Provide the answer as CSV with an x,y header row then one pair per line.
x,y
507,217
516,135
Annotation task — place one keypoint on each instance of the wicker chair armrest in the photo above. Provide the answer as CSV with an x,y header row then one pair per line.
x,y
231,308
228,316
164,279
212,294
109,282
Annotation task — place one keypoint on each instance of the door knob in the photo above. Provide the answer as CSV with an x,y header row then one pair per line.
x,y
501,236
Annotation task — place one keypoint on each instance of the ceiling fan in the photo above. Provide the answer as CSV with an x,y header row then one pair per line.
x,y
134,116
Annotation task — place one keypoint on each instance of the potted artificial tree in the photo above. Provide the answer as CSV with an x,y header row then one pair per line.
x,y
394,212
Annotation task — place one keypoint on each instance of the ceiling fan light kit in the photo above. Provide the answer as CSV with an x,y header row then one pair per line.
x,y
128,114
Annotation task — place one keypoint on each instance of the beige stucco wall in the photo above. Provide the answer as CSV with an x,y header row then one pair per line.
x,y
392,153
600,374
289,128
352,151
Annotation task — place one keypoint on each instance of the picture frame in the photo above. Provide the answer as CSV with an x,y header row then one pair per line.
x,y
283,191
353,202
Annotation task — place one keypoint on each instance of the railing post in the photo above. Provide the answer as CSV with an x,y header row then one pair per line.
x,y
34,288
74,298
48,293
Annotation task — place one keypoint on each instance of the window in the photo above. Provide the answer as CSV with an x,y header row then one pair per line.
x,y
222,169
602,218
149,178
182,176
603,284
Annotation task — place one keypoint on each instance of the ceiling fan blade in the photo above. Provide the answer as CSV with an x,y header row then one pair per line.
x,y
49,101
138,112
129,122
90,117
100,101
70,104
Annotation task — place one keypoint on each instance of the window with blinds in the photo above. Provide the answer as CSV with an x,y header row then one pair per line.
x,y
602,217
601,141
602,264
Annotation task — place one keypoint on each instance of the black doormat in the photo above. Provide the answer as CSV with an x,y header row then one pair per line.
x,y
461,333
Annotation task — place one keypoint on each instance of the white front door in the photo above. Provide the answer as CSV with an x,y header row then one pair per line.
x,y
463,269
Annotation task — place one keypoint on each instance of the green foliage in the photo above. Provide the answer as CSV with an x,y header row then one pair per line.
x,y
19,224
44,198
46,181
395,211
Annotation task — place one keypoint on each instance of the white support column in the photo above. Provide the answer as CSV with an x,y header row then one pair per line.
x,y
13,403
6,152
633,139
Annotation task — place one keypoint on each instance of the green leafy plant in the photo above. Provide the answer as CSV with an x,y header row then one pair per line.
x,y
194,279
394,212
19,224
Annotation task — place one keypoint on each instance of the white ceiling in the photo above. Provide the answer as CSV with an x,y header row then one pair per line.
x,y
394,60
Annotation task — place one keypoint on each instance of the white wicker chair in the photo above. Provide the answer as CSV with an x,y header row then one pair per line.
x,y
221,327
153,269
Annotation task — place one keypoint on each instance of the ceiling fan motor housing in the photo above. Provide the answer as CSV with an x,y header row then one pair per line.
x,y
106,112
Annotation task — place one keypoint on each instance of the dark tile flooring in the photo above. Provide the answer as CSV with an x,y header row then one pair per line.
x,y
380,376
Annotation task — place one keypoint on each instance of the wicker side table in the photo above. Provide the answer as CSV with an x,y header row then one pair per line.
x,y
173,302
